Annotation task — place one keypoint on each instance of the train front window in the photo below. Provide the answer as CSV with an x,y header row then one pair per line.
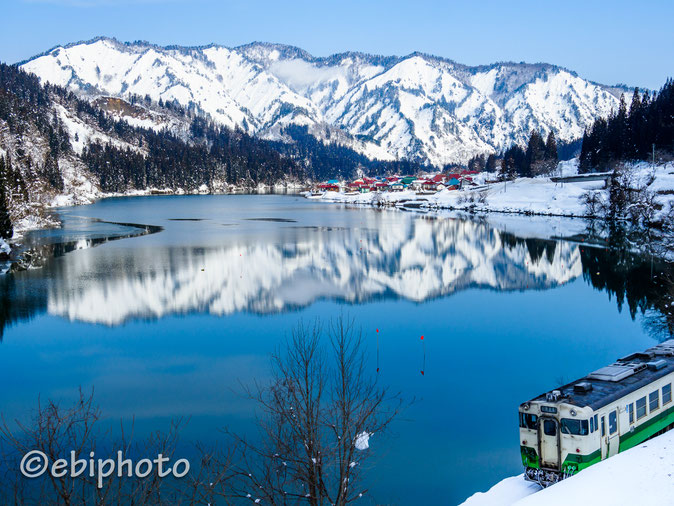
x,y
575,427
528,421
549,427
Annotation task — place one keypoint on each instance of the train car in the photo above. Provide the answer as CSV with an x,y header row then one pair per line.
x,y
591,419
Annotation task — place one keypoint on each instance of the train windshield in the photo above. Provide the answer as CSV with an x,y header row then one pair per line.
x,y
528,421
575,427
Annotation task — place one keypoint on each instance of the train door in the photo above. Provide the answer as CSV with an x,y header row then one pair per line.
x,y
548,433
604,437
613,433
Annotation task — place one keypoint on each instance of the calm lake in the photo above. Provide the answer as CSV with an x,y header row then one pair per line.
x,y
167,324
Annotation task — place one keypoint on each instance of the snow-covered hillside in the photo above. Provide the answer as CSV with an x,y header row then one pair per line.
x,y
29,143
419,106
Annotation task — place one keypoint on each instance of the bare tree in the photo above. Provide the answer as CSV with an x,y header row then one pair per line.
x,y
72,433
320,409
593,203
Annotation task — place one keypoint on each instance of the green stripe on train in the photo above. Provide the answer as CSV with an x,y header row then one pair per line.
x,y
642,432
574,463
529,457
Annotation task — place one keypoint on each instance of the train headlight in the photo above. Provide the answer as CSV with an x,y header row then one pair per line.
x,y
573,412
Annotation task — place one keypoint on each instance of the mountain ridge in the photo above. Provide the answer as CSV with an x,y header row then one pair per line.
x,y
420,106
308,55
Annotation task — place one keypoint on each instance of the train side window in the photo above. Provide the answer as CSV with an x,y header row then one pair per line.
x,y
641,408
591,424
549,427
666,394
603,427
630,411
596,422
612,422
528,421
653,401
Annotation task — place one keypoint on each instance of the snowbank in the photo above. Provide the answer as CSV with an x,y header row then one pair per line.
x,y
643,475
4,247
505,492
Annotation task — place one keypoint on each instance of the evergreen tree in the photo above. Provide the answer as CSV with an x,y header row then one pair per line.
x,y
551,147
630,135
477,163
586,149
535,155
490,165
634,124
52,172
6,228
514,162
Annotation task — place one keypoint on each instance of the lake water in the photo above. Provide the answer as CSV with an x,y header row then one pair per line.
x,y
166,324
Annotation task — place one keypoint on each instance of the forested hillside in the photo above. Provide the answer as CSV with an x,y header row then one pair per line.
x,y
58,147
645,130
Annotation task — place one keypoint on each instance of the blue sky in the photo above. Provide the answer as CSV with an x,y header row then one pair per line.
x,y
606,41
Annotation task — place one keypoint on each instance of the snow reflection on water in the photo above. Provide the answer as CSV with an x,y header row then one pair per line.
x,y
425,259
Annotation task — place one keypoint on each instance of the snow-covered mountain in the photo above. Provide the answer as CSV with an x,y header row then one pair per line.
x,y
418,106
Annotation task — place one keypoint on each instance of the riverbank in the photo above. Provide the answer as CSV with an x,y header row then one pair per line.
x,y
41,217
641,475
558,195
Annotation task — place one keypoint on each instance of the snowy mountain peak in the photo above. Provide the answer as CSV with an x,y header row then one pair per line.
x,y
418,106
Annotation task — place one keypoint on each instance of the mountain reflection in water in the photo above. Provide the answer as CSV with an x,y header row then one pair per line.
x,y
431,258
424,259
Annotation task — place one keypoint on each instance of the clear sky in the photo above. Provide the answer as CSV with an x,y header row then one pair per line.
x,y
606,41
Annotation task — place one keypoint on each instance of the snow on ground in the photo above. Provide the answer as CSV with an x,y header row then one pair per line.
x,y
643,475
81,133
32,222
540,195
4,247
504,493
524,195
567,168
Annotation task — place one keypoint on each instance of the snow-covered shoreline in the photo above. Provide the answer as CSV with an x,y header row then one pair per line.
x,y
641,475
35,222
540,196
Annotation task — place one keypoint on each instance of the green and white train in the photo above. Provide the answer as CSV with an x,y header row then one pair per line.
x,y
610,410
